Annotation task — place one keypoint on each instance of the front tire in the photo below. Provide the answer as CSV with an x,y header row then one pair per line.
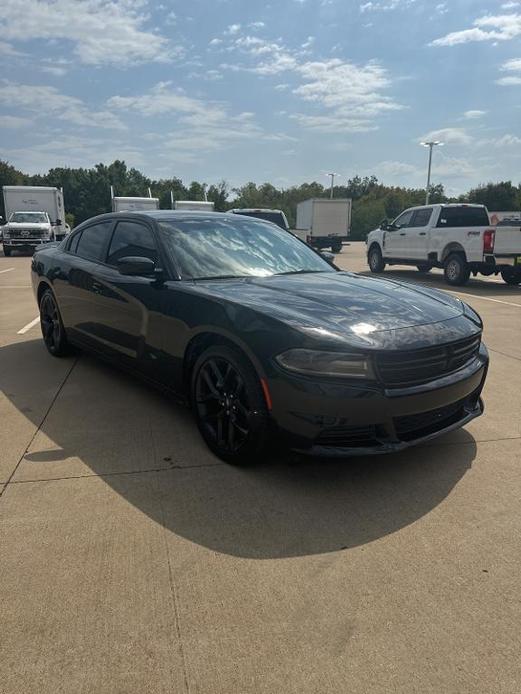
x,y
511,275
229,405
375,259
337,247
456,270
53,332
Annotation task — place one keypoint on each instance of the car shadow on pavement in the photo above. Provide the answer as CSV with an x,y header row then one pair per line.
x,y
148,450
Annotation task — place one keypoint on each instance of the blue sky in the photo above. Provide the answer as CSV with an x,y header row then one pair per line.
x,y
251,91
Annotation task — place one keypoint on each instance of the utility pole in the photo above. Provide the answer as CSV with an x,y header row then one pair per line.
x,y
430,145
332,174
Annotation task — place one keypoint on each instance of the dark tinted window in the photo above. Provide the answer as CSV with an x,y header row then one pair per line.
x,y
275,217
73,247
463,217
92,241
421,217
131,239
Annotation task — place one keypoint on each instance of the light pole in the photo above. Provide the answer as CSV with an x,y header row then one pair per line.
x,y
430,145
332,174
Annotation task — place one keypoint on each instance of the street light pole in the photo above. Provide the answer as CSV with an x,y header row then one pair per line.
x,y
332,183
430,145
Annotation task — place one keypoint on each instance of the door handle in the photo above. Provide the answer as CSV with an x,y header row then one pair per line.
x,y
422,233
97,288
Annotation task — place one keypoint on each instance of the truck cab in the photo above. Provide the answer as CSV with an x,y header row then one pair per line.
x,y
456,237
25,230
275,216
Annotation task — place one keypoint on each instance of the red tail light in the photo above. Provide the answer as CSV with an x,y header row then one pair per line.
x,y
488,241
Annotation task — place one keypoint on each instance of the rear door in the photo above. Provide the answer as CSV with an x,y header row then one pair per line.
x,y
396,241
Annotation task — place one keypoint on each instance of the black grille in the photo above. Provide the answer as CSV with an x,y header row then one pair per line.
x,y
418,366
348,436
415,426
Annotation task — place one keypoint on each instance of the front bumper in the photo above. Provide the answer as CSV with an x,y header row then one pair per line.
x,y
337,419
24,243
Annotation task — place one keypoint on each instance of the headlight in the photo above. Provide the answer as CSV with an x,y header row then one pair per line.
x,y
309,361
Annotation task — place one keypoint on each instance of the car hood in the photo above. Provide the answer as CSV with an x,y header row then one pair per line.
x,y
365,311
29,225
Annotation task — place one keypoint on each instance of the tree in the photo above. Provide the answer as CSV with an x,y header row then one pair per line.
x,y
496,196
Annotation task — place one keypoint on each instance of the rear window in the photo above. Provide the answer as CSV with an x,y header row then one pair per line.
x,y
463,217
92,241
274,217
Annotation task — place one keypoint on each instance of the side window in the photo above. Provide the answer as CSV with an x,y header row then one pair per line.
x,y
73,246
404,219
92,241
131,239
422,217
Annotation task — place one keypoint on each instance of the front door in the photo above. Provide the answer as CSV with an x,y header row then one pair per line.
x,y
418,234
396,242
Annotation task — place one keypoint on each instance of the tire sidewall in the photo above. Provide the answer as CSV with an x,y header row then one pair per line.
x,y
378,265
456,271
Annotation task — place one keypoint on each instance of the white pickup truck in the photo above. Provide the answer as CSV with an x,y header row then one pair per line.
x,y
455,237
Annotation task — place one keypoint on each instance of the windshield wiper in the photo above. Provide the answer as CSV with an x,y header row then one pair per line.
x,y
222,277
299,272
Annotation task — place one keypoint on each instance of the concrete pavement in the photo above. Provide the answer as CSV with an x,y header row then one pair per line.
x,y
133,560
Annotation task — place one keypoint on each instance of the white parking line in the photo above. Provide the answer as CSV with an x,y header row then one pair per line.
x,y
8,270
29,326
484,298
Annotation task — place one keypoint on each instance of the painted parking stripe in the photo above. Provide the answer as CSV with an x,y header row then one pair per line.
x,y
485,298
29,326
8,270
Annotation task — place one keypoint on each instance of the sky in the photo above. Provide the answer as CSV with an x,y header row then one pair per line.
x,y
281,91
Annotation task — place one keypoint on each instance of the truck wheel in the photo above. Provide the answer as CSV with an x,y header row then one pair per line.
x,y
511,275
336,247
424,269
7,252
456,270
375,259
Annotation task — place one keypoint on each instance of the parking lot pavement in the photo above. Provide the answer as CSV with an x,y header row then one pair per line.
x,y
134,561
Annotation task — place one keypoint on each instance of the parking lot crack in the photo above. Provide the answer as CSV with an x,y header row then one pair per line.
x,y
40,425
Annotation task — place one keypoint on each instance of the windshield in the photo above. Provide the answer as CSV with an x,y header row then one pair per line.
x,y
275,217
29,217
210,249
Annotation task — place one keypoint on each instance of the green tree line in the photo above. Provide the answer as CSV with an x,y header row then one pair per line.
x,y
87,193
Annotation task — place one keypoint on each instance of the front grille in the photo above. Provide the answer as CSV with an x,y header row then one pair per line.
x,y
348,437
413,367
415,426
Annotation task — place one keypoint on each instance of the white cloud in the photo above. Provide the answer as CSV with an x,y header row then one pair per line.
x,y
233,29
6,49
457,136
506,140
489,28
510,5
14,122
514,66
396,168
47,102
385,5
55,70
215,42
473,114
256,25
351,95
102,31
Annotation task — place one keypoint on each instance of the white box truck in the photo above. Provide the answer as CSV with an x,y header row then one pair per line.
x,y
122,204
34,215
201,205
323,222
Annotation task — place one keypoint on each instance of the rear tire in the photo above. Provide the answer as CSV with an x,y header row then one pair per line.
x,y
229,405
53,332
375,259
336,247
456,270
7,252
511,275
424,269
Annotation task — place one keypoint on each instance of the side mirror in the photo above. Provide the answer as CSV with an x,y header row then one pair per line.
x,y
384,224
134,265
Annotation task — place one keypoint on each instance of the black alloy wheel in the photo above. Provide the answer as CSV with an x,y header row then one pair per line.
x,y
229,405
52,327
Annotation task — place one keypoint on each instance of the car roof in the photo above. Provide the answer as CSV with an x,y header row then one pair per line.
x,y
161,215
237,210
